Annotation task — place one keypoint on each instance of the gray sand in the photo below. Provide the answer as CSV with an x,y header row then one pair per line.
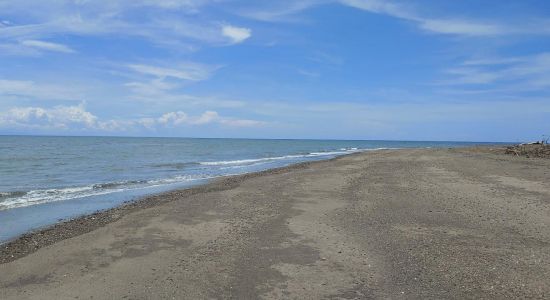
x,y
401,224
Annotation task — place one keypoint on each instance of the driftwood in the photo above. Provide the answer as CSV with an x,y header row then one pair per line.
x,y
537,149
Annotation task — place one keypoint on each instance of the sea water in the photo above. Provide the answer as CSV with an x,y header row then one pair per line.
x,y
47,179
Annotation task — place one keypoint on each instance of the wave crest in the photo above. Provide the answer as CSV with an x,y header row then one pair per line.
x,y
274,158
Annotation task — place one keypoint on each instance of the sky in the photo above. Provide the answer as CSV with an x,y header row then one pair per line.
x,y
468,70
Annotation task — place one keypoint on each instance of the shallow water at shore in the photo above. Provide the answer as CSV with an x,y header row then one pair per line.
x,y
46,179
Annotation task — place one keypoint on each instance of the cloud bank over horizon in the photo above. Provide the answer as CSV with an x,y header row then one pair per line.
x,y
349,69
77,119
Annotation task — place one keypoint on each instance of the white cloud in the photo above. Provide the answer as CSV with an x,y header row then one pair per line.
x,y
242,123
236,34
77,118
154,87
168,92
17,87
185,71
277,11
148,123
32,48
439,25
16,49
114,7
405,10
452,25
463,27
170,4
166,80
167,23
60,117
380,7
31,89
170,23
173,118
519,73
48,46
206,117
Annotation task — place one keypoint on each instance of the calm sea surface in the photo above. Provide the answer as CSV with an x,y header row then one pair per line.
x,y
47,179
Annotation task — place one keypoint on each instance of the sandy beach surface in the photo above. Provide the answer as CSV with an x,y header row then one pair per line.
x,y
399,224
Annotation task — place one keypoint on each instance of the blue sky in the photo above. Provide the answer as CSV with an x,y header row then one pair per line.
x,y
338,69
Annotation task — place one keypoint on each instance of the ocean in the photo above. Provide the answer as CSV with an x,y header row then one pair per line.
x,y
47,179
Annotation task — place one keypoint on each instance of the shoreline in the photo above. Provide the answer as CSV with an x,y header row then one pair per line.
x,y
459,223
32,241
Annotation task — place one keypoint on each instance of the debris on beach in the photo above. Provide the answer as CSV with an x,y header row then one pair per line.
x,y
534,149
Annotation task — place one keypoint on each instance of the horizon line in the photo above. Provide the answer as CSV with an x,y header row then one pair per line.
x,y
255,138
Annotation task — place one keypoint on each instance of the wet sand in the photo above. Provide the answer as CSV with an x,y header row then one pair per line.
x,y
400,224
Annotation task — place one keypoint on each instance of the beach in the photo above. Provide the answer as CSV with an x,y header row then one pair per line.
x,y
403,224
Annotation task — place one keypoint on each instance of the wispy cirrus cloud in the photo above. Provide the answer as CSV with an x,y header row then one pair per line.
x,y
31,89
161,82
184,71
113,7
166,23
47,46
307,73
325,58
32,48
451,25
525,73
277,11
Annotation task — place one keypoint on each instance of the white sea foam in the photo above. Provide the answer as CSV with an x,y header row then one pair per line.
x,y
23,199
53,195
383,148
274,158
